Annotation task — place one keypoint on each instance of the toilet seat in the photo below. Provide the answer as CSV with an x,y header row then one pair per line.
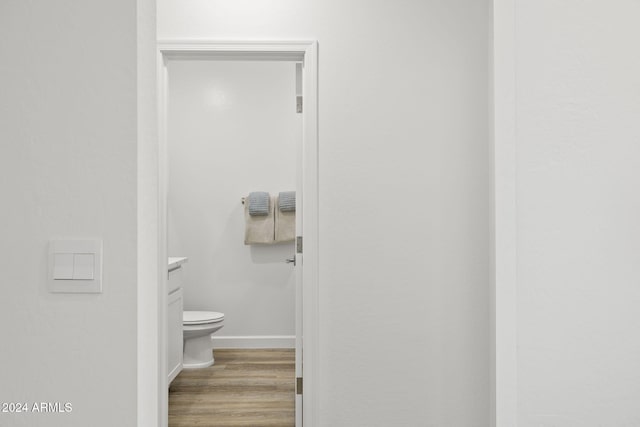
x,y
201,317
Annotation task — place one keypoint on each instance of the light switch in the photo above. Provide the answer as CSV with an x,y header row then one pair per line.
x,y
83,265
75,266
63,266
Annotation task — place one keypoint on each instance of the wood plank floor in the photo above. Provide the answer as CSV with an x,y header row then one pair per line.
x,y
245,387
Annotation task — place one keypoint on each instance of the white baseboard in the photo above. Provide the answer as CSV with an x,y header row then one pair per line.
x,y
257,341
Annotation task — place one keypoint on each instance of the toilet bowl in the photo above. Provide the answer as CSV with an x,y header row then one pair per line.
x,y
197,328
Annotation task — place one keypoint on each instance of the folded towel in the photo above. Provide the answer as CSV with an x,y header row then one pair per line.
x,y
287,201
259,228
258,202
285,223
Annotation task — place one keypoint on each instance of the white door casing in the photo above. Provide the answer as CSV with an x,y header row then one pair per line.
x,y
307,201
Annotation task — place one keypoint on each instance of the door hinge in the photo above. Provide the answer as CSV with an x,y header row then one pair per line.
x,y
299,244
299,104
299,385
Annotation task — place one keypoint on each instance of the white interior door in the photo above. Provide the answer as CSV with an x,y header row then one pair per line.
x,y
298,255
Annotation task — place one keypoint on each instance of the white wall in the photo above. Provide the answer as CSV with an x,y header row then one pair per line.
x,y
232,129
68,168
150,392
404,198
578,250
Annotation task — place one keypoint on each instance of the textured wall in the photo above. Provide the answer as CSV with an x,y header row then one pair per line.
x,y
578,98
68,169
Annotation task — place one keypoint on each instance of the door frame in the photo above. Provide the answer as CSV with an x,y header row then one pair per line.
x,y
505,245
307,52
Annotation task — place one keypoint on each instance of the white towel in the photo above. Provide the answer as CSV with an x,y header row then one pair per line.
x,y
285,225
259,229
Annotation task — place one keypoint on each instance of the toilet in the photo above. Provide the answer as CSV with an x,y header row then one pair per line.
x,y
197,328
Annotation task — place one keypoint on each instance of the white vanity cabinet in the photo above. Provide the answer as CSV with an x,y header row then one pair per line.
x,y
174,318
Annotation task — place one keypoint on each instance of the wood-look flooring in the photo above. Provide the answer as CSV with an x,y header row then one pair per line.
x,y
245,387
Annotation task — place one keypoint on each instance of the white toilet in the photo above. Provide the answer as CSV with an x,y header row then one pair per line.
x,y
197,327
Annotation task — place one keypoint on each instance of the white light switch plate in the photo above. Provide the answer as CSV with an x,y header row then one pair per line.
x,y
75,266
62,266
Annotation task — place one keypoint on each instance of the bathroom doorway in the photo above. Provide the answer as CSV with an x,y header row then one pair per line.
x,y
241,59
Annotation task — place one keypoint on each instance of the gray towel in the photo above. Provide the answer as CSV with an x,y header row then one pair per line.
x,y
258,203
287,201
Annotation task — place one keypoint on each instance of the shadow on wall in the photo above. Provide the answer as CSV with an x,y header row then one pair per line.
x,y
260,254
268,254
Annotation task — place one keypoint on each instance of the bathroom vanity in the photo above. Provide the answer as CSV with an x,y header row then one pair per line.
x,y
174,317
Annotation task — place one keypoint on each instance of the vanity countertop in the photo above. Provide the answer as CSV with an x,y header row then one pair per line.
x,y
175,262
